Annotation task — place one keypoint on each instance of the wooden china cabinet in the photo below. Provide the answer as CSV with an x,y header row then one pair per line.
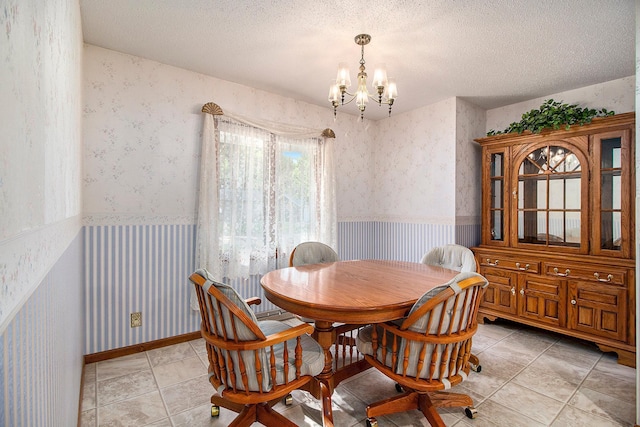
x,y
558,231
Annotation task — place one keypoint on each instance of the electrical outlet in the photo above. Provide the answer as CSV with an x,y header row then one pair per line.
x,y
136,319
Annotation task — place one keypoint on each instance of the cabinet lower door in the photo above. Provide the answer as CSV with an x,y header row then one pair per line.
x,y
542,299
598,309
500,295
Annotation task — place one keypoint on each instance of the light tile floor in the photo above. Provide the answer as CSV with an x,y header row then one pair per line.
x,y
529,378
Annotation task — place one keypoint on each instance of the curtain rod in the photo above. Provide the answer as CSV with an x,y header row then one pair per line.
x,y
215,110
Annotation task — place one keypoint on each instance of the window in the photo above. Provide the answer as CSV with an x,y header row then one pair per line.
x,y
270,196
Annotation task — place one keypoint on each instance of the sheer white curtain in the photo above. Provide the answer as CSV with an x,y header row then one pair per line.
x,y
264,188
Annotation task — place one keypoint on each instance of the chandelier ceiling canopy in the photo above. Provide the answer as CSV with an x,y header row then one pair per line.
x,y
384,89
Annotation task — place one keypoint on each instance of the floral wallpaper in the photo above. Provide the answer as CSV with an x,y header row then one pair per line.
x,y
40,114
142,131
470,123
616,95
415,164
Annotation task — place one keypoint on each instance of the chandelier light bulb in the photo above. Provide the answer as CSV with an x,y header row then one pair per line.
x,y
334,93
392,90
379,77
343,79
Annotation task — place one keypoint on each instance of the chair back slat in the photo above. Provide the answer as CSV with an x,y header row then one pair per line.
x,y
272,363
434,359
443,314
298,361
459,326
444,356
243,374
258,362
285,359
421,358
383,340
453,360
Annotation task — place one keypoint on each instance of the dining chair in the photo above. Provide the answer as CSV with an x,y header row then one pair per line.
x,y
344,346
452,256
429,351
312,253
252,364
458,258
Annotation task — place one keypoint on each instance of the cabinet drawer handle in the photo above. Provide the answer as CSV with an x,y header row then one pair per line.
x,y
492,263
521,291
608,279
513,291
573,302
526,267
565,274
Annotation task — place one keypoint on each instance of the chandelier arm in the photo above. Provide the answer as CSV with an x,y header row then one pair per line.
x,y
378,101
350,100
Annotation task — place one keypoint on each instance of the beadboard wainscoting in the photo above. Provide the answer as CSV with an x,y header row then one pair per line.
x,y
41,349
137,268
399,240
145,268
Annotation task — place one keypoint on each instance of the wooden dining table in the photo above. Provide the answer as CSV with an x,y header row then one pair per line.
x,y
357,292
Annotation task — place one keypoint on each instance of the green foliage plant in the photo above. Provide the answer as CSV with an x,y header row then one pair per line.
x,y
553,115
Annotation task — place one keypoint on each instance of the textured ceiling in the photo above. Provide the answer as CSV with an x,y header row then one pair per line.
x,y
491,53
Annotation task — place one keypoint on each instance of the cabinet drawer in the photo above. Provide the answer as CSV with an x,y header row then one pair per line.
x,y
587,272
511,263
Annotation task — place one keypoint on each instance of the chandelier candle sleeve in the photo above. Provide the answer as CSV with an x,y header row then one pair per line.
x,y
385,90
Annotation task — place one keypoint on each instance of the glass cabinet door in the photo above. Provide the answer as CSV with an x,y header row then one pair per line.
x,y
497,202
495,199
550,192
612,202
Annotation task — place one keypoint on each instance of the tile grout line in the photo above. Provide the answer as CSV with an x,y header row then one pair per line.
x,y
577,389
517,373
155,379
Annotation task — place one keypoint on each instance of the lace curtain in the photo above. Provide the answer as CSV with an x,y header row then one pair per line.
x,y
264,188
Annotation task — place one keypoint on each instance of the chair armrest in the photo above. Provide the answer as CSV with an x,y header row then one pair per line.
x,y
409,335
272,339
253,301
291,333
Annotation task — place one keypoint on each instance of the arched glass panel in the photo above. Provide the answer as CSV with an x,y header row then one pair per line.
x,y
549,197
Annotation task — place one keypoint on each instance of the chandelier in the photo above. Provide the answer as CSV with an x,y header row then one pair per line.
x,y
385,90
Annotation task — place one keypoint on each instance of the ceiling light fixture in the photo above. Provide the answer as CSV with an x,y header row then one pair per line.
x,y
385,89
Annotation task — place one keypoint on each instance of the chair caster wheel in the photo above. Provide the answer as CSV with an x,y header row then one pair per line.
x,y
471,412
476,368
288,400
215,411
399,388
372,422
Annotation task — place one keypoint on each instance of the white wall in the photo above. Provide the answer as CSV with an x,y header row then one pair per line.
x,y
470,124
40,201
616,95
415,165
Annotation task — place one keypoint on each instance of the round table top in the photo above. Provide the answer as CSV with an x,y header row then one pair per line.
x,y
359,291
